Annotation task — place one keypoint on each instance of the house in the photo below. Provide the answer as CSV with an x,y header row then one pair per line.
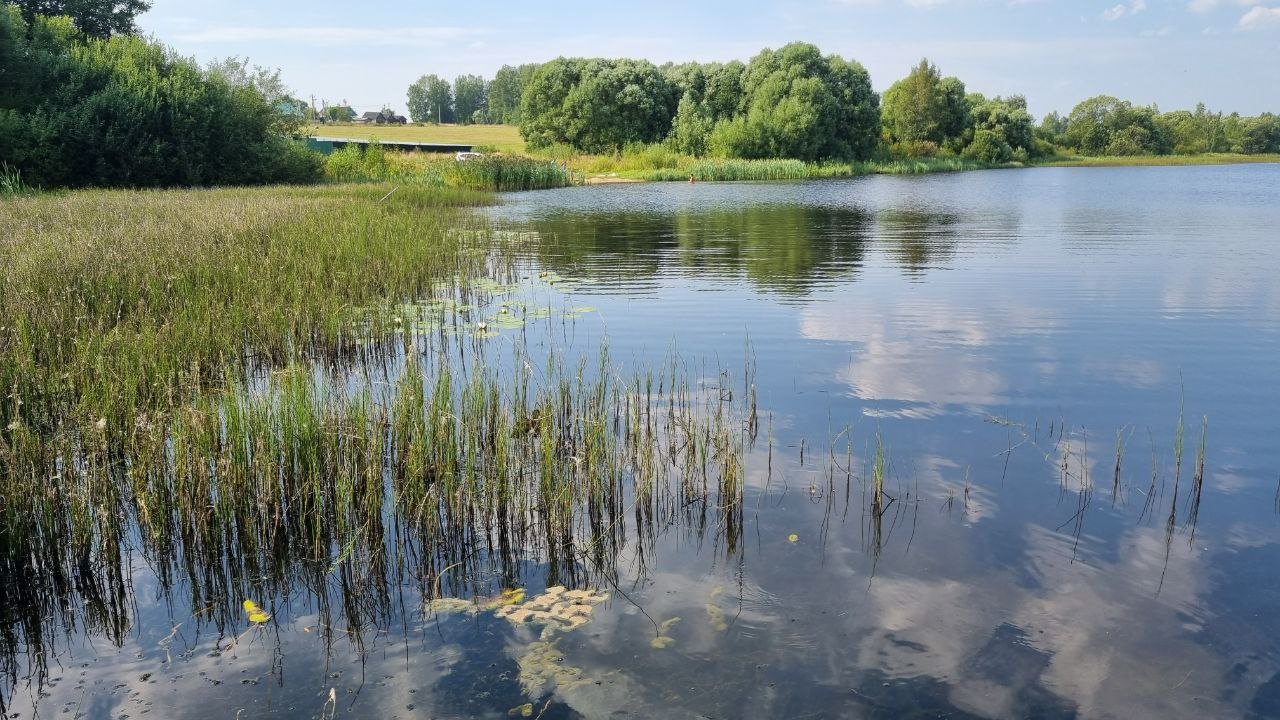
x,y
370,117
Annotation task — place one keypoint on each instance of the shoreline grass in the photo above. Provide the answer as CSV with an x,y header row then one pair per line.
x,y
1153,160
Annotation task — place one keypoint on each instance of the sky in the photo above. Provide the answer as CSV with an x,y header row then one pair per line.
x,y
1174,53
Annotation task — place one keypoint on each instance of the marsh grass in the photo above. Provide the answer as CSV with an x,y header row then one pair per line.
x,y
493,173
11,183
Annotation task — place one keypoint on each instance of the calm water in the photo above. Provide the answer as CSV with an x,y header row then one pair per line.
x,y
996,331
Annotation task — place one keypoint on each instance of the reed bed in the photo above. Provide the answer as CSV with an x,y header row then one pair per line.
x,y
492,173
116,305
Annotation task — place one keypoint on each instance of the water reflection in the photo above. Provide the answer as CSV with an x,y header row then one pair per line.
x,y
990,337
789,250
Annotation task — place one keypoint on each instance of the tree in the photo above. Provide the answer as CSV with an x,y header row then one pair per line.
x,y
1007,122
1108,125
430,100
470,99
1261,135
505,91
924,107
797,103
127,112
596,105
95,18
691,128
338,113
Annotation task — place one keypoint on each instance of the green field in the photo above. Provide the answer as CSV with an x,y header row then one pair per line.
x,y
505,138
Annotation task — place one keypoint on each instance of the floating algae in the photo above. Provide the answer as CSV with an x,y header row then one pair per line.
x,y
542,668
556,609
663,639
447,605
715,615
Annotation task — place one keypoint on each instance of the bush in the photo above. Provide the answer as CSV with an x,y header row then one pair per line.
x,y
128,112
988,147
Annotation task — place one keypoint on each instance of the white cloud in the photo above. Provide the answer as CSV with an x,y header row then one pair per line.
x,y
1121,10
1260,17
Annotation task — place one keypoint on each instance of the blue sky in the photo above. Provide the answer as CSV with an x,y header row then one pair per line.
x,y
1056,52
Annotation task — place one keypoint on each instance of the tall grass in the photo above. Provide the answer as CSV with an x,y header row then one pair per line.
x,y
97,329
494,173
11,183
502,173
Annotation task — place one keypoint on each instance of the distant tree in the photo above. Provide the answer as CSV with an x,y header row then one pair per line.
x,y
338,113
505,91
1261,135
1007,121
1105,125
470,98
797,103
95,18
723,95
691,128
596,105
925,107
430,100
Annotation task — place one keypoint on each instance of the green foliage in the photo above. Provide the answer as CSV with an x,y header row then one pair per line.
x,y
124,111
94,18
338,113
1007,121
596,105
430,100
503,173
11,182
1105,125
732,170
1261,135
989,147
470,99
691,128
797,103
925,107
505,91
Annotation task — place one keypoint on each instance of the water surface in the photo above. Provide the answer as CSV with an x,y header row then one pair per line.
x,y
992,333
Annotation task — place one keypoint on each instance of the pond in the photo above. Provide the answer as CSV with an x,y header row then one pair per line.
x,y
1003,445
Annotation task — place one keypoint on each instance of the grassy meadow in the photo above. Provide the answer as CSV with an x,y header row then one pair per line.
x,y
502,138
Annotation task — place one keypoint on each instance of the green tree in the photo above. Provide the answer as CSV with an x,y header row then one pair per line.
x,y
925,107
127,112
596,105
691,128
470,99
338,113
94,18
1105,125
1261,135
505,91
430,100
1008,123
797,103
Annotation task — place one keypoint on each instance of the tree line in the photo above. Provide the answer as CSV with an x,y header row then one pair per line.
x,y
83,102
795,102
